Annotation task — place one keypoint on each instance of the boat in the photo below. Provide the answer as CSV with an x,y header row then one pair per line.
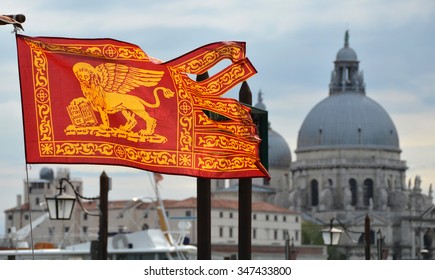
x,y
150,244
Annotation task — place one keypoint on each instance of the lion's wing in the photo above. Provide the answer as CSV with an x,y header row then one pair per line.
x,y
122,79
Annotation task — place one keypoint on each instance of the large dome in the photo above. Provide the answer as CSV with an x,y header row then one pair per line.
x,y
348,120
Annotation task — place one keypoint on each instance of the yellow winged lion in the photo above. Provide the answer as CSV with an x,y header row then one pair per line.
x,y
106,87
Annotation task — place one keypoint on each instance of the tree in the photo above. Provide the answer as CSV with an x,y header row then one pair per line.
x,y
311,234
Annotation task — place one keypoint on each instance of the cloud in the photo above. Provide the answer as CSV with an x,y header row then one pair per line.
x,y
259,19
11,133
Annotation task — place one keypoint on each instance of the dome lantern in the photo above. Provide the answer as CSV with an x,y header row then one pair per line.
x,y
346,76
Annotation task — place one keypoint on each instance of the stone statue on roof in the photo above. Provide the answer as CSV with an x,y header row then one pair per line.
x,y
346,38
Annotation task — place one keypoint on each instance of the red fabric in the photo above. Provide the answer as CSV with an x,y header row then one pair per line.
x,y
103,101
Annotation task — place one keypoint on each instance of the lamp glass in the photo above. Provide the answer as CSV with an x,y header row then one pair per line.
x,y
60,207
331,235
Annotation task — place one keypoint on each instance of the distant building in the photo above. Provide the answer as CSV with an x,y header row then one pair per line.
x,y
270,224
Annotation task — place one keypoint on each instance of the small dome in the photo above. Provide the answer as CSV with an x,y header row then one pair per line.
x,y
346,54
46,174
279,151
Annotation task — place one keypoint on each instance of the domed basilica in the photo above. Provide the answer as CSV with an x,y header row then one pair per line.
x,y
347,168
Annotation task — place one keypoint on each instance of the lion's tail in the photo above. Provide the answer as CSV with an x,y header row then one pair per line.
x,y
167,93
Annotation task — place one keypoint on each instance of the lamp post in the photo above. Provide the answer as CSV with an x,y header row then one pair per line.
x,y
287,245
331,235
381,241
60,207
293,252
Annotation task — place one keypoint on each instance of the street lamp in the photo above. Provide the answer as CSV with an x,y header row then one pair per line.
x,y
331,235
60,206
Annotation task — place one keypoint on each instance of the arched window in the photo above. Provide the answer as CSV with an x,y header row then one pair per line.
x,y
314,193
354,192
368,191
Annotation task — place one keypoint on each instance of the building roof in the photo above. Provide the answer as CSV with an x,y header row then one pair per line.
x,y
191,202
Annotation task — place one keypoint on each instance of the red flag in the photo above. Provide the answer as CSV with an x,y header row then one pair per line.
x,y
103,101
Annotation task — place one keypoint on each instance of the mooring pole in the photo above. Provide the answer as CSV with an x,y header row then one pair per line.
x,y
245,195
367,238
204,218
103,233
203,196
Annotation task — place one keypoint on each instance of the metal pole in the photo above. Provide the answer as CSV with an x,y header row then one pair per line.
x,y
287,245
293,255
380,240
102,234
379,246
203,194
245,195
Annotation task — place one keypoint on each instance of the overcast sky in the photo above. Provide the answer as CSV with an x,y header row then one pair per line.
x,y
291,43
